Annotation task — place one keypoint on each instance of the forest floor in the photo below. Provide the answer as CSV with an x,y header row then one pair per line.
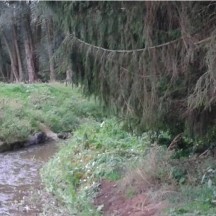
x,y
102,169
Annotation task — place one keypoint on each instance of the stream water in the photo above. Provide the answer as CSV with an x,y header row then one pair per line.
x,y
19,178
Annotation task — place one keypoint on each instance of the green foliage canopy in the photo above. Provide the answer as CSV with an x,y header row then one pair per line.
x,y
151,61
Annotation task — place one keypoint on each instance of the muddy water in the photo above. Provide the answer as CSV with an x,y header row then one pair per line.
x,y
19,179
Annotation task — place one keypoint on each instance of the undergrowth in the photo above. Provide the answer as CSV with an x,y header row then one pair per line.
x,y
98,150
101,149
189,184
104,151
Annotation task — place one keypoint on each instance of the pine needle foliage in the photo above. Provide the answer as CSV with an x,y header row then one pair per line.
x,y
153,62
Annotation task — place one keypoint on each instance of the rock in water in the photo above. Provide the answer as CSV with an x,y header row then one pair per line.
x,y
41,137
62,135
37,138
3,146
50,134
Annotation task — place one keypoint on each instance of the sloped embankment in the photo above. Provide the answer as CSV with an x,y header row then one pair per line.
x,y
31,114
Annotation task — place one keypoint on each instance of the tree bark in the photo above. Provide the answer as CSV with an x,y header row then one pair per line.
x,y
15,39
50,51
3,78
29,48
14,70
29,61
69,74
37,35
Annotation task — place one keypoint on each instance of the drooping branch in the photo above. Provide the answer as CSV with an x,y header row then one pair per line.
x,y
146,60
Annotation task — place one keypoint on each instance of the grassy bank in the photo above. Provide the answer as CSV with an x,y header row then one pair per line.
x,y
97,151
101,149
24,107
104,151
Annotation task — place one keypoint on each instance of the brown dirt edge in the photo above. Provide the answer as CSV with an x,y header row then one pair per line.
x,y
114,202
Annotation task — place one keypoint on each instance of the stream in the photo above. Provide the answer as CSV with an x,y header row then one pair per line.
x,y
20,178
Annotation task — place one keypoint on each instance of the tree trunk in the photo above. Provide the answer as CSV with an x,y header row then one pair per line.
x,y
17,53
11,76
13,62
50,52
29,48
69,74
37,35
3,78
30,61
51,64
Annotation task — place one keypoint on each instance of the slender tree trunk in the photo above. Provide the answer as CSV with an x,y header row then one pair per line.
x,y
50,52
8,70
2,75
37,34
69,74
11,76
17,53
29,48
51,65
13,62
29,61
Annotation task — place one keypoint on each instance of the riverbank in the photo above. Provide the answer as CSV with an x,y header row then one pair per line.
x,y
101,169
25,111
28,109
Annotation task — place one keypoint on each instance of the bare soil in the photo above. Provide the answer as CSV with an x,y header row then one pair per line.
x,y
113,201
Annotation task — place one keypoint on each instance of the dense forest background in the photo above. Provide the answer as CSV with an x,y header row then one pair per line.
x,y
153,63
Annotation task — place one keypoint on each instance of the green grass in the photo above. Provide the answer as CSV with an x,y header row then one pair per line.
x,y
96,151
194,200
99,149
23,107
